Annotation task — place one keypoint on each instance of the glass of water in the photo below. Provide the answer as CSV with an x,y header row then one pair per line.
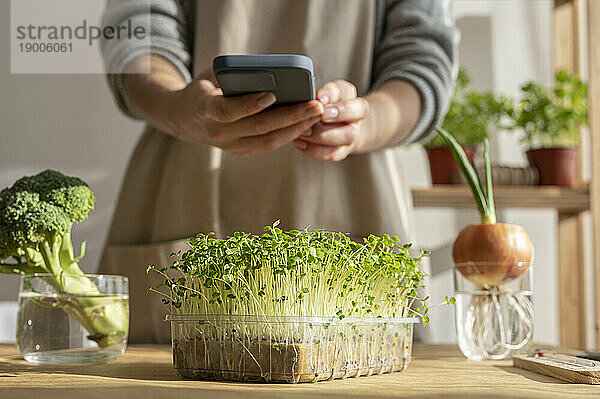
x,y
494,309
72,319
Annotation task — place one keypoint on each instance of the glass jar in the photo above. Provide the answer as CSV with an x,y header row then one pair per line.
x,y
494,309
72,319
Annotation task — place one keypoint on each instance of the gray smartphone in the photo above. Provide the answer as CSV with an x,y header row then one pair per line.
x,y
290,77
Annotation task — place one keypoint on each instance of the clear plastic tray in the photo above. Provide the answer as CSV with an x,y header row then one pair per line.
x,y
288,349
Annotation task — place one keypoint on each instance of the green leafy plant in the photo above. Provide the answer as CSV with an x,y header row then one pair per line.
x,y
36,217
553,117
471,113
294,273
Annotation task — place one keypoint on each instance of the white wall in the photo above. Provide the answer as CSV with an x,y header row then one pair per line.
x,y
70,123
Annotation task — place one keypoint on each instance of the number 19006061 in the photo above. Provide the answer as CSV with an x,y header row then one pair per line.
x,y
46,47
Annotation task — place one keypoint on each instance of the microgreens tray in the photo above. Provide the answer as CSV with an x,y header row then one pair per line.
x,y
337,308
288,349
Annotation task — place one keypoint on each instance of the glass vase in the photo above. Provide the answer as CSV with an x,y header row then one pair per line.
x,y
72,319
494,309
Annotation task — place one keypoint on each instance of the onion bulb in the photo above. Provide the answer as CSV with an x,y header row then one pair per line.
x,y
492,254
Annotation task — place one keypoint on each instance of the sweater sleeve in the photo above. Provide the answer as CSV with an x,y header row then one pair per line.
x,y
419,44
168,22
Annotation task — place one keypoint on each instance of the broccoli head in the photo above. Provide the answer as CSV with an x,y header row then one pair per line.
x,y
36,217
39,210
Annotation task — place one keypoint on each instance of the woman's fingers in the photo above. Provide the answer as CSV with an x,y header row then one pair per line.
x,y
208,74
346,111
337,90
231,109
341,102
276,119
323,152
273,140
333,134
329,142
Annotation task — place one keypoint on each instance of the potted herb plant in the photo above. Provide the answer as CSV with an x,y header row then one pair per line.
x,y
292,306
469,117
551,120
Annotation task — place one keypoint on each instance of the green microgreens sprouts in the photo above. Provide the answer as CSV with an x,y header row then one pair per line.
x,y
294,273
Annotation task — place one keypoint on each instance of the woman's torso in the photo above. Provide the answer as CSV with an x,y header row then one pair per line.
x,y
174,189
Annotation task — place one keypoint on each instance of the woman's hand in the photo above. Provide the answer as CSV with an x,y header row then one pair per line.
x,y
201,114
198,112
341,128
352,124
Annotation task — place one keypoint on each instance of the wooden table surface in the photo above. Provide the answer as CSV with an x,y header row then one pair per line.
x,y
146,372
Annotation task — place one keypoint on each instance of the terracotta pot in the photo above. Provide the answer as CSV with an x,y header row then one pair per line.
x,y
557,166
442,164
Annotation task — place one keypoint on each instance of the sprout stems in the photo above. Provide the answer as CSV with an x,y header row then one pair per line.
x,y
294,273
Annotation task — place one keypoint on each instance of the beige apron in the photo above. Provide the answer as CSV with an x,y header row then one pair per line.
x,y
172,189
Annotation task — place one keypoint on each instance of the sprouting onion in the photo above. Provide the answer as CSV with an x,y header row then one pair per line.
x,y
490,255
505,249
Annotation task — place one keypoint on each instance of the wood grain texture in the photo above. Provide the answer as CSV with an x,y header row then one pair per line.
x,y
593,17
460,196
144,372
571,251
587,375
566,37
571,281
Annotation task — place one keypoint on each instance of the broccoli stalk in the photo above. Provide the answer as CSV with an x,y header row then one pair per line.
x,y
36,217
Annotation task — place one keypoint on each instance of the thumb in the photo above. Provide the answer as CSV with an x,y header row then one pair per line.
x,y
208,74
207,86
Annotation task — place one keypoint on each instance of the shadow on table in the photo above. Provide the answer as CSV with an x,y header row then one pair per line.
x,y
129,371
530,375
279,391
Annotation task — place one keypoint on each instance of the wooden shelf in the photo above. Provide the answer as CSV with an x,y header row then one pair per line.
x,y
564,200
